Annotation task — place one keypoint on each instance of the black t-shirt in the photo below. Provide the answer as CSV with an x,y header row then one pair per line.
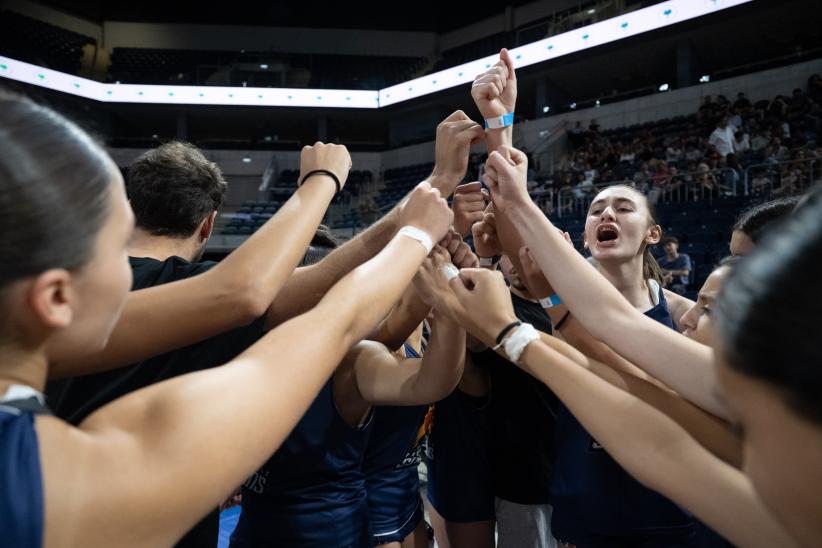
x,y
75,399
522,413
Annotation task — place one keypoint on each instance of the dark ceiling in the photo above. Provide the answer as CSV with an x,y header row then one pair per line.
x,y
418,15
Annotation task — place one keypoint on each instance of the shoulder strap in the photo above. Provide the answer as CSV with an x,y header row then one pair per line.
x,y
25,398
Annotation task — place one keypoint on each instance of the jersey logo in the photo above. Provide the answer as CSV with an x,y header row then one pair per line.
x,y
414,454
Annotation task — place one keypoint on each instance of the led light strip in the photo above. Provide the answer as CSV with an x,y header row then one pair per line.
x,y
603,32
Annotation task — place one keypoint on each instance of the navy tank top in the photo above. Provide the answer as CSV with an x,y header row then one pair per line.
x,y
21,483
595,499
394,450
311,492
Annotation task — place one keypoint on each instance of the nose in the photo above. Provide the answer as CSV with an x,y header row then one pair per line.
x,y
689,320
607,214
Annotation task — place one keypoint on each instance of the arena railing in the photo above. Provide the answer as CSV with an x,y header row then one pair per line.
x,y
696,186
781,178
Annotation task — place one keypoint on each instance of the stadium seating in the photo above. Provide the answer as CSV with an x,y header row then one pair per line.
x,y
40,43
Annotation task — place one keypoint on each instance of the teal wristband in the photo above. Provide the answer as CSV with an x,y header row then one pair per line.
x,y
550,302
499,122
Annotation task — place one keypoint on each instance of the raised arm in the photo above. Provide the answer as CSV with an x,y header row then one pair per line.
x,y
688,367
153,462
495,94
307,286
647,443
233,293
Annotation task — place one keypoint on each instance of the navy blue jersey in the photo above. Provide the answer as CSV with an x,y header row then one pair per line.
x,y
393,452
596,502
21,482
311,492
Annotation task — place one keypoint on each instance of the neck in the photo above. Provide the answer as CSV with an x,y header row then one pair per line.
x,y
628,278
672,255
522,294
161,248
19,366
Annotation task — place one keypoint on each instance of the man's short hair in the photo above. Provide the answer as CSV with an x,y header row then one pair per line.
x,y
669,240
172,188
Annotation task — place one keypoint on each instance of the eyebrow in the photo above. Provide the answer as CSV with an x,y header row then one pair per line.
x,y
602,200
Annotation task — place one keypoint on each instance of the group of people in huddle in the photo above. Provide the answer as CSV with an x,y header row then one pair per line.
x,y
556,400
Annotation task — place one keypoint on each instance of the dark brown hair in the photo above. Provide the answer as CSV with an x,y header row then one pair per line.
x,y
54,190
172,188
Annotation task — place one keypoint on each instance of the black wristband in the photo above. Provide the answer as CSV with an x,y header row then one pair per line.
x,y
561,322
506,329
322,172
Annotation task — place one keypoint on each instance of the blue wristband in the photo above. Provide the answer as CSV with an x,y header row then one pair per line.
x,y
499,122
550,302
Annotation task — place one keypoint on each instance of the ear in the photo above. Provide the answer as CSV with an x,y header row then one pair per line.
x,y
52,298
207,226
654,235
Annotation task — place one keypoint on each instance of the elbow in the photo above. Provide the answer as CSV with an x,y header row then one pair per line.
x,y
248,301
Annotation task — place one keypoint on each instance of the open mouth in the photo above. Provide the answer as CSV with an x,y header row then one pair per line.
x,y
607,233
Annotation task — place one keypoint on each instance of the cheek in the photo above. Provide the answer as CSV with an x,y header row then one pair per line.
x,y
704,328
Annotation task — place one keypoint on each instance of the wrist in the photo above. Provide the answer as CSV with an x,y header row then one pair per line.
x,y
443,182
319,179
422,236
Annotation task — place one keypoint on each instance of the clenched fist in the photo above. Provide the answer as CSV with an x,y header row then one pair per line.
x,y
333,158
427,210
455,135
495,90
469,202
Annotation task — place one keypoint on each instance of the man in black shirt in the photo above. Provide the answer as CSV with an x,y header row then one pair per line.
x,y
521,417
175,193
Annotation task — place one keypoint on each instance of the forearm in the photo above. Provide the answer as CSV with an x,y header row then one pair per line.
x,y
267,259
442,364
401,321
658,452
495,138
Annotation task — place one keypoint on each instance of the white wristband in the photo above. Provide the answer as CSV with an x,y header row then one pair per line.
x,y
515,344
449,271
420,235
488,261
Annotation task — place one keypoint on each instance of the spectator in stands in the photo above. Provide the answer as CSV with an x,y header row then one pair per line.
x,y
742,143
742,103
675,266
734,120
706,109
733,173
815,87
760,141
674,151
722,138
693,154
